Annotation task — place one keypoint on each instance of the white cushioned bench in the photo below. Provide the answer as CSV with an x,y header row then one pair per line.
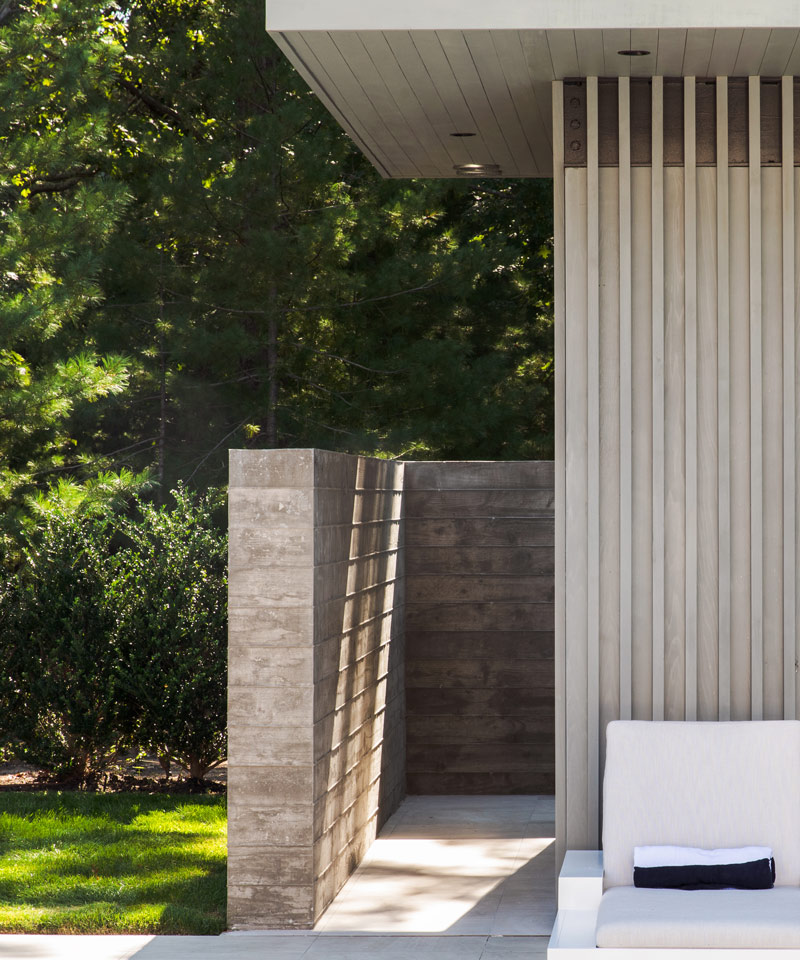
x,y
706,785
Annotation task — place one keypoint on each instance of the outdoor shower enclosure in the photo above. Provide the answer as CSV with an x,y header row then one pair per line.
x,y
391,630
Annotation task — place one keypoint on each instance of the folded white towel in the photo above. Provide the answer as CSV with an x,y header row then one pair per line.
x,y
670,856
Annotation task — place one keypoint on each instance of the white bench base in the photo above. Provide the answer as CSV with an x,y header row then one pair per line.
x,y
580,889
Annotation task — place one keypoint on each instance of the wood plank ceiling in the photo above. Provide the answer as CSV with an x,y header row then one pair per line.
x,y
405,96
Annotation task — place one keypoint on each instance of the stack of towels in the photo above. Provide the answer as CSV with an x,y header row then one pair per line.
x,y
691,868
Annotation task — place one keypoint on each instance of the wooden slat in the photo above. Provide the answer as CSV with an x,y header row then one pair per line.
x,y
756,448
593,460
295,46
480,503
409,112
642,420
479,701
501,731
576,681
724,52
536,561
525,95
399,144
789,402
480,784
707,449
625,406
479,616
559,352
793,63
723,404
779,50
690,367
697,55
674,447
477,758
433,588
613,42
494,74
772,420
644,39
480,645
480,475
464,70
751,51
657,221
479,532
671,47
429,95
739,243
563,54
496,673
589,47
431,55
610,501
536,52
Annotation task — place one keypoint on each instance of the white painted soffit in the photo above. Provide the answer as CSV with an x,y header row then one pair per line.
x,y
403,78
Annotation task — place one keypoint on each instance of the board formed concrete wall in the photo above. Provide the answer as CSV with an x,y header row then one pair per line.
x,y
315,709
479,638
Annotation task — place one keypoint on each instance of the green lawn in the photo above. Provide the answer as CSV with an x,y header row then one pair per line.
x,y
112,863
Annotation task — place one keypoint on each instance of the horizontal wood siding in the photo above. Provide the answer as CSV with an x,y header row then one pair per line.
x,y
479,627
690,390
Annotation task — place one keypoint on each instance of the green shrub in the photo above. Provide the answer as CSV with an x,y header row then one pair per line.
x,y
60,683
170,596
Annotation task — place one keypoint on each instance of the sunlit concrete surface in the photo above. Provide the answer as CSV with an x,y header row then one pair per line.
x,y
272,946
455,865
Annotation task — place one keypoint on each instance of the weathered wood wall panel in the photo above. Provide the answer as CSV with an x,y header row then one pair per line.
x,y
479,627
689,387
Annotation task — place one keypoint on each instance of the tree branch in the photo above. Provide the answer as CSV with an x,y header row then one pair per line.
x,y
155,106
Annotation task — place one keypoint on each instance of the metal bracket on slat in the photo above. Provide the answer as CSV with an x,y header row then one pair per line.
x,y
574,123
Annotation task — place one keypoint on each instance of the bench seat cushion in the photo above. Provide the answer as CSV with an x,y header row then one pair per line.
x,y
635,917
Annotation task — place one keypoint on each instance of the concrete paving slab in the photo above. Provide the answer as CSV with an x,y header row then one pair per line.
x,y
272,946
464,866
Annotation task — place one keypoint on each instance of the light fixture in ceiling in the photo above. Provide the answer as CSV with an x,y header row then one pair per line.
x,y
478,170
633,53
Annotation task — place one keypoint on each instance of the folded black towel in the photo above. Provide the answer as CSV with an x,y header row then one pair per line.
x,y
749,875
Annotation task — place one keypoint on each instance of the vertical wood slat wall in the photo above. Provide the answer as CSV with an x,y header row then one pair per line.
x,y
676,413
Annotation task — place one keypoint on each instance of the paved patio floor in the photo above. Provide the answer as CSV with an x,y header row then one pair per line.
x,y
449,878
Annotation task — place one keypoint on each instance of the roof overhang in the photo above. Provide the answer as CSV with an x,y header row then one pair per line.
x,y
408,80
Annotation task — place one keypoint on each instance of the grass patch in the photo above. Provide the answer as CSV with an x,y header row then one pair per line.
x,y
112,863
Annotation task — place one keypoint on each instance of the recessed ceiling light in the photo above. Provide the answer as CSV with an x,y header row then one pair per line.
x,y
478,170
463,134
634,53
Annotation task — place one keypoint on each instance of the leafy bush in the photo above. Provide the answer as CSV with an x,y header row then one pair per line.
x,y
60,683
170,594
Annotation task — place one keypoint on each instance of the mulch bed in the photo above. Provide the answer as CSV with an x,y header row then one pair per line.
x,y
138,778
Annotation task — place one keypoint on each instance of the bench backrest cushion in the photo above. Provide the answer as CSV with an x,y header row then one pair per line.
x,y
701,785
